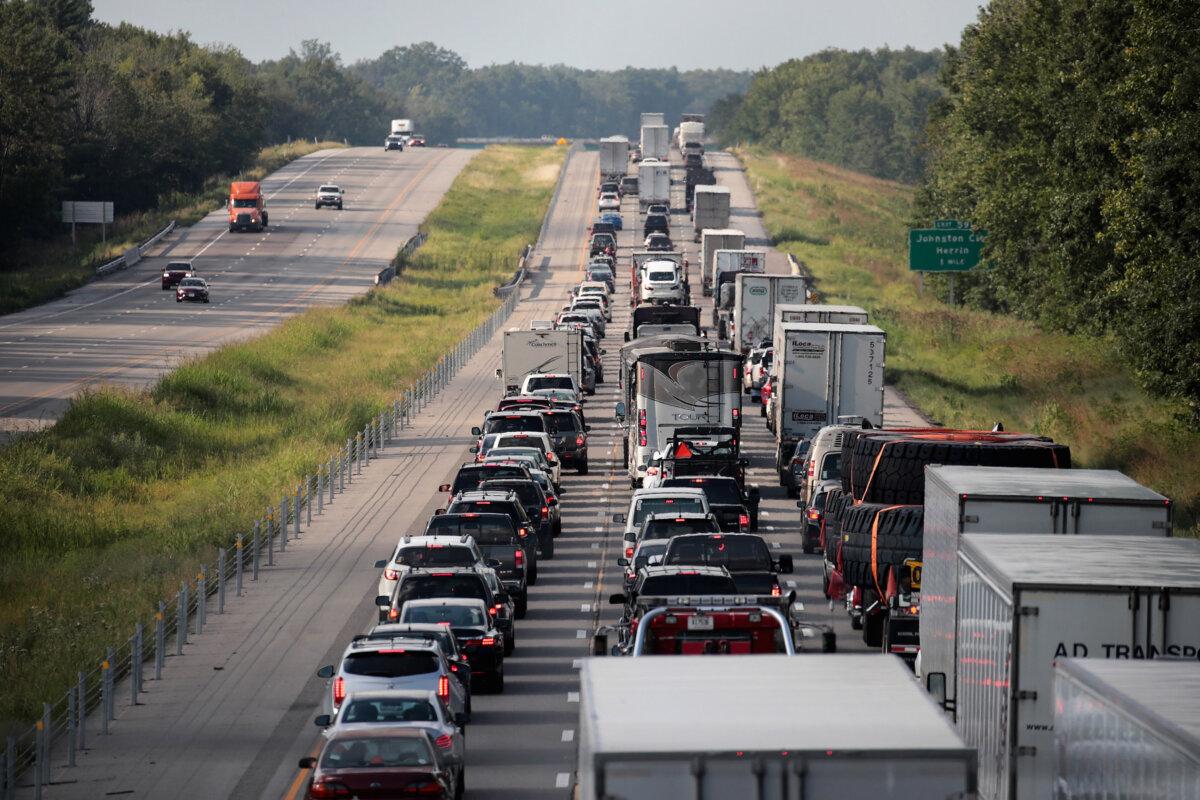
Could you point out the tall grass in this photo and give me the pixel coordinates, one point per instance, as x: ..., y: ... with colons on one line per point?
x: 104, y: 513
x: 37, y: 270
x: 964, y: 367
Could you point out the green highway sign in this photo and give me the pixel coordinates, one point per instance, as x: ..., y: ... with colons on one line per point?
x: 949, y: 246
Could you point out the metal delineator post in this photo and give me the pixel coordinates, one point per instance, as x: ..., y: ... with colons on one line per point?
x: 81, y: 693
x: 181, y: 624
x: 72, y: 723
x: 255, y: 549
x: 238, y: 553
x: 308, y: 498
x: 221, y: 581
x: 283, y: 523
x: 201, y: 598
x: 270, y: 537
x: 160, y: 641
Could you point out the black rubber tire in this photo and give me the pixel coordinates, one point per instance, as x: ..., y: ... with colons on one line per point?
x: 582, y: 469
x: 548, y: 550
x: 521, y: 606
x: 531, y: 577
x: 498, y: 681
x: 899, y: 537
x: 510, y: 644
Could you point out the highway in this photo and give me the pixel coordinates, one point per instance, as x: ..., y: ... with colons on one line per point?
x: 233, y: 715
x: 125, y: 330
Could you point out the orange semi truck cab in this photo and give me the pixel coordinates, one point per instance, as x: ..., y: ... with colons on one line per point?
x: 247, y: 206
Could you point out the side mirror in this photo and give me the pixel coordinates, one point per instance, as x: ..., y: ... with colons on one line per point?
x: 445, y: 487
x: 587, y: 428
x: 437, y: 512
x: 800, y: 504
x: 785, y: 564
x: 743, y: 462
x: 605, y: 352
x: 308, y: 762
x: 323, y: 721
x: 473, y: 449
x: 381, y: 563
x: 325, y: 671
x: 641, y: 467
x: 551, y: 501
x: 935, y: 682
x: 616, y: 599
x: 476, y: 431
x: 382, y: 601
x: 622, y: 562
x: 618, y: 519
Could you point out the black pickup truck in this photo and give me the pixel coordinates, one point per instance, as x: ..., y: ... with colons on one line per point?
x: 736, y: 510
x: 745, y: 555
x: 702, y: 450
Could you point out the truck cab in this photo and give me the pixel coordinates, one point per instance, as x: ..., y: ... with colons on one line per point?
x: 247, y: 206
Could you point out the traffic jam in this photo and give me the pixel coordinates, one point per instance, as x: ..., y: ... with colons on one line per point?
x: 952, y: 576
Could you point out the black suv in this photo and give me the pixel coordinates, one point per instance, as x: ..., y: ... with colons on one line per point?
x: 507, y: 502
x: 471, y: 475
x: 424, y: 584
x: 735, y: 510
x: 745, y: 555
x: 496, y: 537
x: 569, y: 435
x: 656, y: 223
x: 538, y: 504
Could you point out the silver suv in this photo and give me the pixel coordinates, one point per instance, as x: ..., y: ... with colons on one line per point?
x: 399, y: 663
x: 329, y: 195
x: 414, y: 552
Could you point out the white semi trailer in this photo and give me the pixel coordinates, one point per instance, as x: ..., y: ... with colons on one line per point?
x: 768, y: 727
x: 654, y: 183
x: 712, y: 240
x: 755, y: 298
x: 656, y: 142
x: 963, y: 501
x: 1026, y: 600
x: 803, y: 312
x: 710, y: 209
x: 527, y: 352
x: 614, y: 156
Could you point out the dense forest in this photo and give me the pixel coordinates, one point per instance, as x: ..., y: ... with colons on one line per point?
x: 95, y: 111
x: 865, y: 110
x: 1071, y: 132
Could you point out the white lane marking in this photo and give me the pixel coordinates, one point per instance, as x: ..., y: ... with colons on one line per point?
x: 770, y: 527
x: 585, y: 608
x: 568, y: 736
x: 576, y: 663
x: 581, y: 634
x: 599, y: 529
x: 591, y: 565
x: 572, y: 697
x: 562, y: 780
x: 764, y: 513
x: 776, y: 545
x: 595, y: 545
x: 604, y: 486
x: 588, y: 584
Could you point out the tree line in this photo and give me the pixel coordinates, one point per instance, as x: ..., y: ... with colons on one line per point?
x: 91, y: 111
x: 865, y: 110
x: 1071, y: 132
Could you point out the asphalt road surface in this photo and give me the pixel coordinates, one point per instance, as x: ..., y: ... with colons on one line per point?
x: 234, y: 714
x: 125, y: 329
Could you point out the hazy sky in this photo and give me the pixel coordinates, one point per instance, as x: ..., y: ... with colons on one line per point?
x: 601, y: 34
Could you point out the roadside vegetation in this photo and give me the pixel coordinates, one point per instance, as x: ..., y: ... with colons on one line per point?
x: 38, y: 270
x: 104, y: 513
x: 967, y: 367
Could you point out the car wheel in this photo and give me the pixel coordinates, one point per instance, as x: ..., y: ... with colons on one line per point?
x: 498, y: 681
x: 591, y: 392
x: 548, y: 549
x: 872, y: 630
x: 762, y: 411
x: 178, y: 299
x: 532, y: 578
x: 583, y: 467
x: 522, y: 606
x: 317, y: 206
x: 510, y: 644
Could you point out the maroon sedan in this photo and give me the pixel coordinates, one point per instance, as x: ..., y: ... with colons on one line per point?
x: 377, y: 761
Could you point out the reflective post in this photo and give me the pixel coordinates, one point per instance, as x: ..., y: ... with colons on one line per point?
x: 181, y: 624
x: 81, y: 692
x: 308, y: 496
x: 320, y: 490
x: 255, y: 550
x: 238, y: 551
x: 283, y: 523
x: 221, y: 581
x: 72, y: 722
x: 160, y: 641
x: 201, y: 599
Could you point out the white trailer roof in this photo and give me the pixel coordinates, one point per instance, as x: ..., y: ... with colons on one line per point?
x: 764, y: 703
x: 1162, y: 694
x: 624, y: 139
x: 829, y: 326
x: 821, y: 307
x: 1033, y: 560
x: 712, y: 188
x: 722, y: 232
x: 1102, y: 484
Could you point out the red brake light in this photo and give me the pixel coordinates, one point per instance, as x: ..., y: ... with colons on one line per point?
x: 579, y: 441
x: 444, y: 741
x: 776, y: 591
x: 391, y: 574
x: 629, y: 552
x: 443, y: 688
x: 811, y: 468
x: 393, y: 614
x: 522, y: 532
x: 325, y: 789
x: 520, y: 556
x: 744, y: 520
x: 736, y: 413
x: 814, y: 514
x: 339, y: 690
x: 488, y: 641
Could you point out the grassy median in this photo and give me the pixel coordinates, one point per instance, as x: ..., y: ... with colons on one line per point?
x: 965, y: 367
x: 38, y: 270
x: 104, y: 513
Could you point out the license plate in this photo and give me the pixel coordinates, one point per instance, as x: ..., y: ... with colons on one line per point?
x: 700, y: 623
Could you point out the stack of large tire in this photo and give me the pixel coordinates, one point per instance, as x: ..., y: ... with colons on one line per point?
x: 876, y: 539
x: 835, y: 505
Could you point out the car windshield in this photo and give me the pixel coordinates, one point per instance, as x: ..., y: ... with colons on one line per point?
x: 390, y: 663
x: 666, y: 505
x: 831, y: 467
x: 388, y: 709
x: 192, y: 282
x: 510, y: 424
x: 457, y: 616
x: 516, y: 452
x: 663, y: 276
x: 521, y: 441
x: 719, y: 491
x: 599, y: 272
x: 245, y: 203
x: 469, y: 478
x: 562, y: 422
x: 647, y: 552
x: 436, y: 555
x: 684, y: 583
x: 527, y: 491
x: 483, y: 528
x: 549, y: 382
x: 424, y: 587
x: 374, y: 753
x: 333, y: 189
x: 666, y: 528
x: 176, y: 266
x: 736, y: 553
x: 483, y: 507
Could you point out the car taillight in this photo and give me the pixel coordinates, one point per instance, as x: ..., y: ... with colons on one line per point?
x: 545, y: 512
x: 814, y: 514
x: 744, y: 520
x: 339, y: 690
x: 488, y: 641
x: 324, y: 789
x: 579, y: 440
x: 736, y: 413
x: 629, y: 552
x: 391, y: 574
x: 519, y: 556
x: 393, y: 614
x: 522, y: 532
x: 812, y: 467
x: 444, y: 741
x: 443, y: 688
x: 776, y: 591
x: 496, y: 608
x: 642, y: 427
x: 492, y: 610
x: 425, y: 787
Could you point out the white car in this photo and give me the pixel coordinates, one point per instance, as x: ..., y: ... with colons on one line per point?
x: 423, y: 551
x: 661, y: 283
x: 752, y: 369
x: 676, y: 499
x: 329, y: 195
x: 402, y: 663
x: 594, y: 288
x: 399, y: 708
x: 550, y: 380
x: 610, y: 201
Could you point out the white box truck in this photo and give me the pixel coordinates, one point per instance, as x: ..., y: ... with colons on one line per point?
x: 805, y: 312
x: 727, y: 265
x: 526, y: 352
x: 822, y: 371
x: 654, y: 183
x: 1127, y: 728
x: 653, y: 118
x: 1008, y: 500
x: 768, y: 727
x: 712, y: 240
x: 656, y: 142
x: 1026, y: 600
x: 402, y: 127
x: 614, y: 156
x: 711, y: 209
x: 755, y: 297
x: 691, y: 133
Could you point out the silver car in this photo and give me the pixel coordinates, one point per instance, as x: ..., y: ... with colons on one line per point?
x: 386, y: 664
x: 400, y: 708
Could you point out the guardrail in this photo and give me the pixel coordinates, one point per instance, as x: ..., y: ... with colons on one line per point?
x: 134, y: 254
x: 89, y: 707
x: 798, y: 267
x: 388, y: 273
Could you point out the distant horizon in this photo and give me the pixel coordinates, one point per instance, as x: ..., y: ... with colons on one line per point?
x: 546, y: 33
